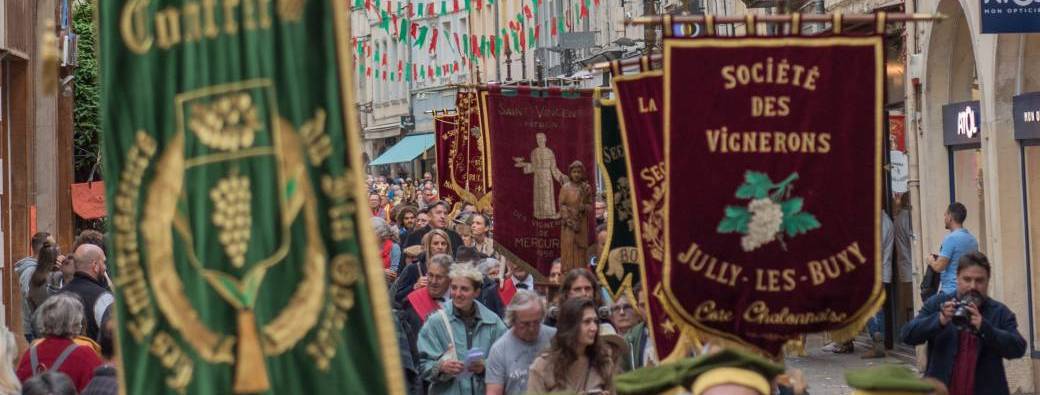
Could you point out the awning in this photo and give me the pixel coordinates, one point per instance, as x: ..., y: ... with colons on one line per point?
x: 405, y: 150
x: 88, y: 199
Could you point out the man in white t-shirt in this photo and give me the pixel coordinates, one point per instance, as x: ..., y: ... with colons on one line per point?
x: 512, y: 354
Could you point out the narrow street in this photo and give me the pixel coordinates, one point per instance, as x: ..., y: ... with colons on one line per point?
x: 825, y: 371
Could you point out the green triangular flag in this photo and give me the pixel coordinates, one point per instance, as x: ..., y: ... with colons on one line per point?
x: 465, y: 44
x: 530, y: 37
x: 468, y: 5
x: 421, y: 41
x: 408, y: 72
x: 422, y: 9
x: 516, y: 41
x: 498, y: 45
x: 437, y: 71
x: 359, y: 3
x: 444, y: 7
x: 385, y: 23
x: 404, y: 30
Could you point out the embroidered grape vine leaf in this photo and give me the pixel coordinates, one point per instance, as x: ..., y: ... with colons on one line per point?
x: 756, y: 185
x: 736, y: 220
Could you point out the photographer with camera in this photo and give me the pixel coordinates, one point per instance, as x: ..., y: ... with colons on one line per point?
x: 968, y: 333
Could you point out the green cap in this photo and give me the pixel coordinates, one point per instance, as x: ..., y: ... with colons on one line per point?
x: 887, y: 378
x: 728, y: 366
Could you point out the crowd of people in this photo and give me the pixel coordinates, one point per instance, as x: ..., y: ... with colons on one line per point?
x: 473, y: 322
x: 67, y: 323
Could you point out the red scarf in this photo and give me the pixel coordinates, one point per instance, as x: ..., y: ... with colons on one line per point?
x: 962, y: 379
x: 388, y: 248
x: 507, y: 291
x: 423, y: 303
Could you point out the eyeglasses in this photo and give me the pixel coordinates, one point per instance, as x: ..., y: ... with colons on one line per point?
x: 618, y: 308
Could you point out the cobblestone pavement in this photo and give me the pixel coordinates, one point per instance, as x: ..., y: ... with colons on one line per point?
x: 825, y: 371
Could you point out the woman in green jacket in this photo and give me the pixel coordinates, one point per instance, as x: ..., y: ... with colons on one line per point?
x: 454, y: 342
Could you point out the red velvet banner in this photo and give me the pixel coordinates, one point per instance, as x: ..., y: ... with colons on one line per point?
x: 535, y: 136
x: 640, y: 102
x: 773, y: 149
x: 461, y: 166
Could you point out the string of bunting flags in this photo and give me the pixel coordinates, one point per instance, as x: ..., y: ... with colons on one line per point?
x: 406, y: 21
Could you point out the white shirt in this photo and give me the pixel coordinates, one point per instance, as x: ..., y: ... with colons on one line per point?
x: 529, y: 282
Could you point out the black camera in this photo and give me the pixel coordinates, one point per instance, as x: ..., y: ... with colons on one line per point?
x: 961, y: 316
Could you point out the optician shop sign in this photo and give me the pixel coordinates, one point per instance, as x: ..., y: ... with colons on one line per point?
x: 1010, y: 16
x: 961, y: 123
x: 1027, y: 115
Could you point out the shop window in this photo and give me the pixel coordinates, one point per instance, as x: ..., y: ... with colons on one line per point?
x: 1031, y: 188
x: 967, y: 189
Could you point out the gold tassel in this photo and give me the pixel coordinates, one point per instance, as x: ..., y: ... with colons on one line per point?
x: 49, y: 57
x: 250, y: 369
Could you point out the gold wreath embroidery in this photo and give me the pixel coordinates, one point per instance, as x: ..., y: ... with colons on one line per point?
x: 231, y: 215
x: 624, y: 203
x: 653, y: 227
x: 229, y: 123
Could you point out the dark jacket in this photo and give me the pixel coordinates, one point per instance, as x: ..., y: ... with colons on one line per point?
x: 998, y: 339
x: 489, y: 297
x: 96, y: 299
x: 406, y: 280
x: 416, y: 236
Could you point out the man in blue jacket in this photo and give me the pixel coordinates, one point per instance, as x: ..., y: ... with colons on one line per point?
x: 967, y: 355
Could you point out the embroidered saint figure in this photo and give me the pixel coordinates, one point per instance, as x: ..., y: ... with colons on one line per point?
x: 543, y: 166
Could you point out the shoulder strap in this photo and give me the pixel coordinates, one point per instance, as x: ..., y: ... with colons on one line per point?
x: 447, y: 325
x: 63, y: 356
x: 34, y: 361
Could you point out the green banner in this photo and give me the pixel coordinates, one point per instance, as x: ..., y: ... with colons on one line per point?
x: 618, y: 264
x: 240, y: 261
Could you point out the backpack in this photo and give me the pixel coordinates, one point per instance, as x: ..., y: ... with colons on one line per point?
x: 929, y: 284
x: 38, y: 368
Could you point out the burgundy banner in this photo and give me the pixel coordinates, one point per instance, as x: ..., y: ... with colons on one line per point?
x: 461, y: 169
x: 535, y: 136
x: 640, y: 102
x: 773, y: 149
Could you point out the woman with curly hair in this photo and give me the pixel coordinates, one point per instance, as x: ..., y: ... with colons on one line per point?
x: 577, y: 360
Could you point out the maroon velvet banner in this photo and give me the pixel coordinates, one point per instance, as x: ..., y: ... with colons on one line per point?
x: 773, y: 149
x: 461, y: 169
x: 535, y: 136
x: 640, y: 102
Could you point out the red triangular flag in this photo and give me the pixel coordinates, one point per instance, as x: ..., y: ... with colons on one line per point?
x: 553, y: 27
x: 493, y: 53
x: 458, y: 47
x: 433, y: 43
x: 455, y: 5
x: 429, y: 10
x: 527, y: 11
x: 429, y: 72
x: 584, y: 11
